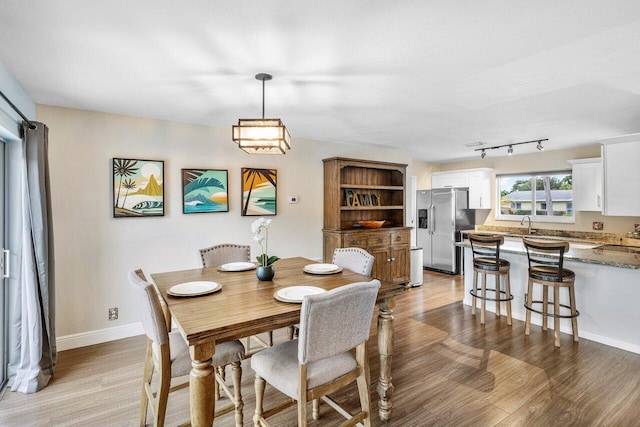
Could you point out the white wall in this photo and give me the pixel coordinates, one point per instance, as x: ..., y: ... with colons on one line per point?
x: 95, y: 251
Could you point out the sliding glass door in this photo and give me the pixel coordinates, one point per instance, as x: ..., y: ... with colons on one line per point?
x: 5, y: 271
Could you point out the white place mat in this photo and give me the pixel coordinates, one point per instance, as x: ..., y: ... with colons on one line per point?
x: 237, y: 266
x: 322, y: 268
x: 192, y: 289
x: 296, y: 294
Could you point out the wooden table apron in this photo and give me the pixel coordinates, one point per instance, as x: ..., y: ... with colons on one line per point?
x: 246, y: 306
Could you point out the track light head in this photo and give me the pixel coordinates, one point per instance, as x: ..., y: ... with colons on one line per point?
x: 539, y: 146
x: 510, y: 150
x: 483, y: 155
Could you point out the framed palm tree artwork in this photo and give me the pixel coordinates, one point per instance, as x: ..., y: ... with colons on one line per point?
x: 205, y: 190
x: 138, y: 188
x: 259, y: 192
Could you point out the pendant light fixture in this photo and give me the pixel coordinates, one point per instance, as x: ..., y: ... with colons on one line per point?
x: 262, y: 136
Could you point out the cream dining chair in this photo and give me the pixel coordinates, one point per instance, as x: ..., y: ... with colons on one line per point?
x: 224, y: 253
x: 320, y: 361
x: 168, y: 354
x: 354, y: 259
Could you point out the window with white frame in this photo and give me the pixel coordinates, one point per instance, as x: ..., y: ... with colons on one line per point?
x: 544, y: 196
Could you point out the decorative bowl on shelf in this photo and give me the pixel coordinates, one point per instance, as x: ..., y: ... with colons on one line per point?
x: 371, y: 223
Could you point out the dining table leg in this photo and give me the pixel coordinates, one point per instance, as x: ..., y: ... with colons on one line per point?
x: 385, y: 348
x: 201, y: 384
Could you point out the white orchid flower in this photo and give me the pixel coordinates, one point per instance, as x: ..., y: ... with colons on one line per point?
x: 259, y: 226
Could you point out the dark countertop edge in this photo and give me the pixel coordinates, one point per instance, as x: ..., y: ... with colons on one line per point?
x: 572, y: 258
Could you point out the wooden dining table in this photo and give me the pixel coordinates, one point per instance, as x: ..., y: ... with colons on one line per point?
x: 246, y: 306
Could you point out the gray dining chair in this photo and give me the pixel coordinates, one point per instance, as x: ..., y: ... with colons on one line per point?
x: 321, y: 361
x: 224, y: 253
x: 355, y: 259
x: 168, y: 354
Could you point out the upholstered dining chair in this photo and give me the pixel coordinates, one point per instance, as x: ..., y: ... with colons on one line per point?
x: 320, y: 361
x: 225, y: 253
x: 168, y: 354
x: 355, y: 259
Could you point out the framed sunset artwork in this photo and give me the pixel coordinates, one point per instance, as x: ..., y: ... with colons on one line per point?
x: 138, y: 188
x: 205, y: 190
x: 259, y: 192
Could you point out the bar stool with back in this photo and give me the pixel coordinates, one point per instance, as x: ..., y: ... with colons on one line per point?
x: 486, y: 260
x: 546, y: 268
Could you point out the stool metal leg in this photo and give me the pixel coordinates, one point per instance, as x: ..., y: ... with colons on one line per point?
x: 484, y: 297
x: 497, y: 293
x: 545, y: 306
x: 556, y: 319
x: 473, y: 298
x: 507, y: 289
x: 574, y: 320
x: 529, y: 298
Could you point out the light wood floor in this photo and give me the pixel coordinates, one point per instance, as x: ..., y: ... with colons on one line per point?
x: 447, y: 370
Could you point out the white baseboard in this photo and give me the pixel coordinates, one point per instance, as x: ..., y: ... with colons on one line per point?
x: 536, y: 320
x: 83, y: 339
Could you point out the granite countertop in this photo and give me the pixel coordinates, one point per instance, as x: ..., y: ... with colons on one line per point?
x: 591, y: 252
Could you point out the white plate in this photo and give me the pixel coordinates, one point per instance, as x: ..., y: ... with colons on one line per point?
x: 322, y: 268
x: 237, y: 266
x: 192, y: 289
x: 296, y: 294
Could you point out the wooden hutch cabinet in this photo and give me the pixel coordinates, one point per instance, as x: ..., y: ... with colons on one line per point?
x: 359, y: 190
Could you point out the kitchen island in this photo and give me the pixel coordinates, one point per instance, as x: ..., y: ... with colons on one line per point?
x: 607, y: 290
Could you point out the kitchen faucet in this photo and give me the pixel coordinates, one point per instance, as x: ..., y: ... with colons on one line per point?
x: 522, y: 223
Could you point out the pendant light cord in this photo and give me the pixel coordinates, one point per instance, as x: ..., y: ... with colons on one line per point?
x: 263, y: 99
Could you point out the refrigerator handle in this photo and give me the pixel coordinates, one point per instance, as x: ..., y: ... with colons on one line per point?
x: 432, y: 225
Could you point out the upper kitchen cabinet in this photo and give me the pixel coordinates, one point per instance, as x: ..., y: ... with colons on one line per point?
x: 621, y: 175
x: 478, y: 181
x: 587, y: 184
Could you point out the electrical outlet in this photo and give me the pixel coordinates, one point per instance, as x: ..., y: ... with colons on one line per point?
x: 293, y: 199
x: 113, y: 313
x: 597, y: 225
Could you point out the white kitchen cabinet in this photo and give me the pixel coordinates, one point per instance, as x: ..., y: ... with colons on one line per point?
x: 621, y: 178
x: 480, y: 189
x: 449, y: 180
x: 478, y: 181
x: 587, y: 184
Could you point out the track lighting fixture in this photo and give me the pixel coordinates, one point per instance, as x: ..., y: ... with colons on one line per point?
x: 483, y: 151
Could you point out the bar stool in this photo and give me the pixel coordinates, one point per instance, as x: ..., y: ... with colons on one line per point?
x: 486, y: 260
x: 548, y: 271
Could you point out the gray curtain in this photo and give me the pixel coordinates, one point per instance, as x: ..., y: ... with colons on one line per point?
x: 32, y: 342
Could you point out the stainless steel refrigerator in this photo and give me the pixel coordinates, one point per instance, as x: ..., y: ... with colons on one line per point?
x: 442, y: 213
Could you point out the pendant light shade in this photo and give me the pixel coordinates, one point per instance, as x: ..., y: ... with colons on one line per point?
x: 262, y: 136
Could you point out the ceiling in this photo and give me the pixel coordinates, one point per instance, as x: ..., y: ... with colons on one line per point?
x: 426, y: 76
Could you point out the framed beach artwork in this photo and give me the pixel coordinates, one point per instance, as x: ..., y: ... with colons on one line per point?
x: 259, y: 192
x: 138, y: 188
x: 205, y: 190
